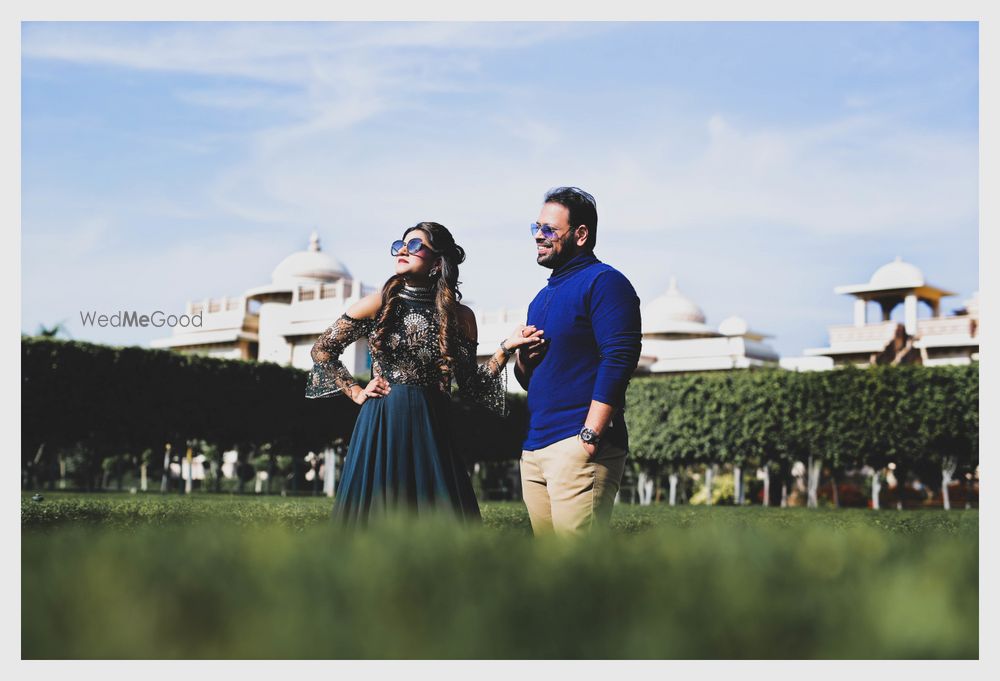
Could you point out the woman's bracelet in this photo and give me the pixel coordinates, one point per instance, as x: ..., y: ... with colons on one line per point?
x: 500, y: 363
x: 507, y: 352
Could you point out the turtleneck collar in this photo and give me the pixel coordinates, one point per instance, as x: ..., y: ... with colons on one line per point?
x: 424, y: 294
x: 577, y: 262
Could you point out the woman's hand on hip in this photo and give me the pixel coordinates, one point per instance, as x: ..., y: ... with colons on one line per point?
x: 377, y: 387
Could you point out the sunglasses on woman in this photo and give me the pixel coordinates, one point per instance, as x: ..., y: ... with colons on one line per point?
x: 413, y: 247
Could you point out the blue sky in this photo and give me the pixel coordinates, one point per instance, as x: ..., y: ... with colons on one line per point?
x: 761, y: 164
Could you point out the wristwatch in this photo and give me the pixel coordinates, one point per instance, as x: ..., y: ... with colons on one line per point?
x: 589, y: 436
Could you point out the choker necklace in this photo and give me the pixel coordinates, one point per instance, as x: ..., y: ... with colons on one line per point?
x: 421, y: 293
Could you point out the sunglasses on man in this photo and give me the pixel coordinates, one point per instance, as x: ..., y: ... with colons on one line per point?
x: 548, y: 231
x: 413, y: 247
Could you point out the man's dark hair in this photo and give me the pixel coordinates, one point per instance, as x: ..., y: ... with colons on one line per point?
x: 582, y: 209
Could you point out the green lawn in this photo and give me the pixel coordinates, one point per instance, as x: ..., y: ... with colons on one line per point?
x: 131, y: 576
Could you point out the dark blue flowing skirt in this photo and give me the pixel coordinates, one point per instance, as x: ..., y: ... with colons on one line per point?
x: 402, y: 455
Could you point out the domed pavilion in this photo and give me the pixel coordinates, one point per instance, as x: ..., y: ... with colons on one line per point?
x: 878, y: 339
x: 279, y: 321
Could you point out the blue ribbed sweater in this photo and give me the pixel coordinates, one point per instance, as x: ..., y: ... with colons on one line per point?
x: 590, y: 315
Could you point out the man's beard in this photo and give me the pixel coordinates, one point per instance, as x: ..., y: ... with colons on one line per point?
x: 545, y: 260
x: 553, y: 258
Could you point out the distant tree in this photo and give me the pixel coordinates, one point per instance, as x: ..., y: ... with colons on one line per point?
x: 53, y: 331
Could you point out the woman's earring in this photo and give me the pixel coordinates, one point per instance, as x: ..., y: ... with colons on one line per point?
x: 435, y: 272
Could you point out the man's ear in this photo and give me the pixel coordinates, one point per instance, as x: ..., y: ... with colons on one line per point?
x: 582, y: 234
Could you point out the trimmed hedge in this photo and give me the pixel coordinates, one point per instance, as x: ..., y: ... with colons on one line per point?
x: 111, y: 402
x: 116, y: 400
x: 914, y: 416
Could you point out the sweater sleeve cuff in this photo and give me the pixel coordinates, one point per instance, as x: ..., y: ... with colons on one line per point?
x: 615, y: 400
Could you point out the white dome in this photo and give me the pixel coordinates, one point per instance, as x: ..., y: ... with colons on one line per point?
x: 673, y: 312
x: 674, y: 306
x: 734, y: 326
x: 311, y: 265
x: 897, y: 274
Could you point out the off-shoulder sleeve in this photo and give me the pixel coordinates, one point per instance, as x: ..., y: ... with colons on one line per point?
x: 329, y: 375
x: 485, y: 384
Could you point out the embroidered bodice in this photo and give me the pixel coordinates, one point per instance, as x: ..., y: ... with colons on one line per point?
x: 409, y: 354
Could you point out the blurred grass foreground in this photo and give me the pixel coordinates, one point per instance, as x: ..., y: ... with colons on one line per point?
x: 218, y: 578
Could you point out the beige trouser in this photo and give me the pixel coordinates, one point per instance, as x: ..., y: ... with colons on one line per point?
x: 567, y: 491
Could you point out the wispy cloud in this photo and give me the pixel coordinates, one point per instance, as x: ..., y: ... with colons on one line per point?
x: 289, y: 53
x: 359, y: 129
x: 847, y: 178
x: 844, y: 175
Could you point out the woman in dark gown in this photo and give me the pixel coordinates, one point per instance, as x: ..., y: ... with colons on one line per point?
x: 402, y: 452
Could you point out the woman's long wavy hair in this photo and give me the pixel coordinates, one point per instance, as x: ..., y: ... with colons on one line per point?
x: 446, y: 299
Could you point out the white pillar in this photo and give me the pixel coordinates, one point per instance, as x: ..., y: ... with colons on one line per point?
x: 860, y: 312
x: 165, y: 480
x: 330, y: 472
x: 910, y: 314
x: 189, y: 460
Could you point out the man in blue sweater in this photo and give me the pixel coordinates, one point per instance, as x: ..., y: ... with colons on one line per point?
x: 574, y: 453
